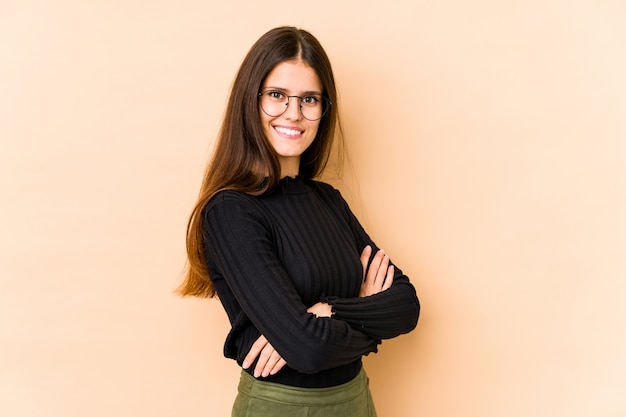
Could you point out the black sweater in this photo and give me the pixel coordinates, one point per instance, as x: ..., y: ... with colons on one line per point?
x: 273, y: 256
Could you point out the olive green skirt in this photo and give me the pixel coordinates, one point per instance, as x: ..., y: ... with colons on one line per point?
x: 266, y: 399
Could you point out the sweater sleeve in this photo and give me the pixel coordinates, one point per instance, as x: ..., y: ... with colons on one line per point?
x: 387, y: 314
x: 238, y: 241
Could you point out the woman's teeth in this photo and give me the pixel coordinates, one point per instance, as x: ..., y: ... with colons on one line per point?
x: 286, y: 131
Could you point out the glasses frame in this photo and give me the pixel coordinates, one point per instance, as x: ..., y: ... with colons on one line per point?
x: 326, y: 103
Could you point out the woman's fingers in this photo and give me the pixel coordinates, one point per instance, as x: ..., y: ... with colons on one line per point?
x: 279, y: 365
x: 374, y: 266
x: 266, y: 362
x: 379, y: 275
x: 365, y: 258
x: 255, y: 350
x: 388, y: 278
x: 381, y: 271
x: 378, y: 270
x: 269, y: 360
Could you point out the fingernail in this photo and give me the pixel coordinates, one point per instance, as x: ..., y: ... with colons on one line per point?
x: 245, y: 365
x: 368, y: 248
x: 256, y: 374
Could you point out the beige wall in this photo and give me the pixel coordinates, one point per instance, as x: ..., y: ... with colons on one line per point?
x: 488, y: 139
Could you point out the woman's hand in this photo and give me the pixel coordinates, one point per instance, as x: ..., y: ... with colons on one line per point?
x: 269, y: 363
x: 379, y: 276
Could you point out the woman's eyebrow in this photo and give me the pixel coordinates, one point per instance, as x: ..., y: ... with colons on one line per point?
x: 284, y: 90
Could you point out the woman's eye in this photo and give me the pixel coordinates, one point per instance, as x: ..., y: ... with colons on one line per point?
x: 276, y: 95
x: 310, y: 100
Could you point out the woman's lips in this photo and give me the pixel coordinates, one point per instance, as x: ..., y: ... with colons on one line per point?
x: 290, y: 132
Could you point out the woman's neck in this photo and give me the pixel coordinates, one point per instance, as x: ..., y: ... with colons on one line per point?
x: 290, y: 168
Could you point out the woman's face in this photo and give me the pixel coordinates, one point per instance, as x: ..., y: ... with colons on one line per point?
x: 289, y: 133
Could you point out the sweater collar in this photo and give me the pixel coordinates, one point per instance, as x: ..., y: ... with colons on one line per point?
x: 291, y: 185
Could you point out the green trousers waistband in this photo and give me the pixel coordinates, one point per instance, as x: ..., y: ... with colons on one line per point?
x: 279, y: 393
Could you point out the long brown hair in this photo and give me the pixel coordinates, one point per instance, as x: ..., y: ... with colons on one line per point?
x: 243, y: 159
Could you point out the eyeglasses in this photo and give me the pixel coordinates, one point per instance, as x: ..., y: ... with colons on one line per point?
x: 313, y: 107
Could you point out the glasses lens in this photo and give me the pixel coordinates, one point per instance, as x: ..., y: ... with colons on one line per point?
x: 275, y: 103
x: 312, y: 107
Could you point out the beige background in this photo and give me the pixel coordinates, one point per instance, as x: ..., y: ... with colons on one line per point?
x: 488, y: 140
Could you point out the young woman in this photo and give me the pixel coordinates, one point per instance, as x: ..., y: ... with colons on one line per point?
x: 306, y: 290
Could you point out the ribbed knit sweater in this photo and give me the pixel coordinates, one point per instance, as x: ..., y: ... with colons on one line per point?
x: 273, y: 256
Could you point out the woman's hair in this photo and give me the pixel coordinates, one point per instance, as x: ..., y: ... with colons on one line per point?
x: 243, y: 159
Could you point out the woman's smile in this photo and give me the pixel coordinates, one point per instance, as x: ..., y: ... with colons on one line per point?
x: 289, y: 132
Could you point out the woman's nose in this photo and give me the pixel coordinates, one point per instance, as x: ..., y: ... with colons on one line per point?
x: 293, y: 109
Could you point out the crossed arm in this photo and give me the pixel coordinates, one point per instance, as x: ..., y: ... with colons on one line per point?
x: 377, y: 277
x: 238, y: 227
